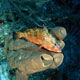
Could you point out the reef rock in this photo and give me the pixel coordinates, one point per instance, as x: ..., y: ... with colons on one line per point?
x: 26, y: 59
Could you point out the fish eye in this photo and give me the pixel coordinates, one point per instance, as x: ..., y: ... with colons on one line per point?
x: 55, y: 44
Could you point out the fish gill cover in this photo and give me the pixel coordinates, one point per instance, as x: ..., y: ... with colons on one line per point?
x: 18, y: 15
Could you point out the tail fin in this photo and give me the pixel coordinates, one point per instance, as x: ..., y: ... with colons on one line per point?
x: 16, y: 35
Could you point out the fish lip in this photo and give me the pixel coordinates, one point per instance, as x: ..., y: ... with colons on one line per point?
x: 59, y: 51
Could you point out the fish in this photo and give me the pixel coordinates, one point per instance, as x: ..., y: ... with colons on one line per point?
x: 40, y: 37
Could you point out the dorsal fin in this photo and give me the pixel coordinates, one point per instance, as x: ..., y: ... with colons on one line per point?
x: 45, y: 28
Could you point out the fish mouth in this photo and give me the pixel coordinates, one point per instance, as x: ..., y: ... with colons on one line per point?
x: 57, y: 51
x: 53, y: 48
x: 57, y: 48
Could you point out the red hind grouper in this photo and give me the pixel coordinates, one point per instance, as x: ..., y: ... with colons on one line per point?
x: 41, y: 37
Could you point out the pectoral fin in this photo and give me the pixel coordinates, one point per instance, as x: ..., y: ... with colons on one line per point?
x: 39, y: 48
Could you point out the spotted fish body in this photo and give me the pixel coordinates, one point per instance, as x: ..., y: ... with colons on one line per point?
x: 40, y: 37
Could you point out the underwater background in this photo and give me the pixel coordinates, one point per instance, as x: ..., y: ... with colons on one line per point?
x: 18, y: 15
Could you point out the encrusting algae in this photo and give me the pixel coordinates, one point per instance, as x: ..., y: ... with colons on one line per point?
x: 41, y: 37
